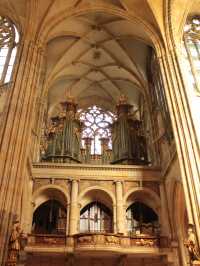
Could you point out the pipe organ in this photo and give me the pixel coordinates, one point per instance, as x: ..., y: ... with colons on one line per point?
x: 128, y: 140
x: 64, y: 135
x: 66, y: 143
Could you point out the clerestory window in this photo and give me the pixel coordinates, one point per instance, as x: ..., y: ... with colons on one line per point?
x: 9, y: 39
x: 191, y: 51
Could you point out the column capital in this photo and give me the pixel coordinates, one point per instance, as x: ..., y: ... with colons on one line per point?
x: 118, y: 181
x: 73, y: 180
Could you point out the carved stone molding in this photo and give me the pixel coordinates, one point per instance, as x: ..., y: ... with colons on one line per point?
x: 112, y: 173
x: 90, y: 241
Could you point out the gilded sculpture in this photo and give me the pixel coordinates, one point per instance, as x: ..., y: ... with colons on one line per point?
x: 192, y: 246
x: 14, y: 245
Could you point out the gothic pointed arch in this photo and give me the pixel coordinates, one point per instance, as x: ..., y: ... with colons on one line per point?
x: 9, y: 41
x: 191, y: 50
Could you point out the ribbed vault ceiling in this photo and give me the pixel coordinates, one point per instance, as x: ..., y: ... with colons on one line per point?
x: 98, y: 59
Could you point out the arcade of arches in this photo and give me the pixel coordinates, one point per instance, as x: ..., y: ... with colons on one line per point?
x: 99, y: 150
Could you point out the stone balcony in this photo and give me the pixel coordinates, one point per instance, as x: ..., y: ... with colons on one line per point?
x: 87, y: 171
x: 95, y: 242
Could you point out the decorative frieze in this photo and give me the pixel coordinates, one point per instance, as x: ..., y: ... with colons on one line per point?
x: 90, y: 241
x: 42, y: 170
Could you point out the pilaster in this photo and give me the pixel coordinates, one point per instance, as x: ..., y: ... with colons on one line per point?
x: 15, y: 136
x: 184, y: 132
x: 120, y: 217
x: 164, y: 215
x: 74, y: 210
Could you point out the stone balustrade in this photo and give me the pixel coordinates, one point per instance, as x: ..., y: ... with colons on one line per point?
x: 91, y: 241
x: 115, y: 240
x: 46, y: 240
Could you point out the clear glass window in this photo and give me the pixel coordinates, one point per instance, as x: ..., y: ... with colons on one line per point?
x: 9, y: 39
x: 191, y: 52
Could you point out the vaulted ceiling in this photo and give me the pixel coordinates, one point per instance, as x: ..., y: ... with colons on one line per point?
x: 97, y: 60
x: 97, y: 49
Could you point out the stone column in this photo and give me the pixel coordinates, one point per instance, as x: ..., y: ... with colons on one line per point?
x: 164, y: 215
x: 38, y: 128
x: 68, y: 206
x: 186, y: 138
x: 114, y: 220
x: 74, y: 210
x: 120, y: 217
x: 27, y: 207
x: 15, y: 134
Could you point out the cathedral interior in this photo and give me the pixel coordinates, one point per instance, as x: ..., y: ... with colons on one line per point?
x: 99, y: 136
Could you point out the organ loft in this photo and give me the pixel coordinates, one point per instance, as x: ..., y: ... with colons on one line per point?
x: 71, y: 139
x: 99, y: 136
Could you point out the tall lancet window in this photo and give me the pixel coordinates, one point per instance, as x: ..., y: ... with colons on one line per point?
x: 192, y: 51
x: 9, y: 39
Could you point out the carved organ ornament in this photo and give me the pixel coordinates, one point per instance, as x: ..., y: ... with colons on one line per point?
x: 63, y: 135
x: 95, y: 136
x: 142, y: 220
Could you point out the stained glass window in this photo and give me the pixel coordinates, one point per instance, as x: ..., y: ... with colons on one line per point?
x: 191, y: 51
x: 95, y: 217
x: 96, y: 126
x: 9, y: 39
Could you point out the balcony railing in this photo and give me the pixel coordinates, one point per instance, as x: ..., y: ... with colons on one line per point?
x: 144, y: 229
x: 103, y: 241
x: 46, y: 240
x: 115, y: 240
